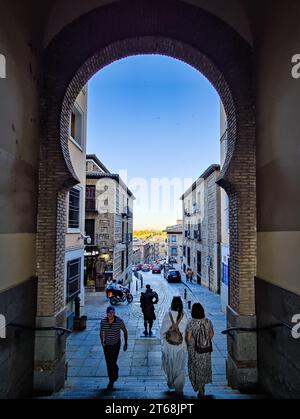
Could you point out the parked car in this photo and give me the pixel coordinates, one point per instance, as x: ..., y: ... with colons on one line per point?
x: 145, y: 268
x: 156, y: 269
x: 173, y: 276
x: 166, y: 269
x: 172, y: 260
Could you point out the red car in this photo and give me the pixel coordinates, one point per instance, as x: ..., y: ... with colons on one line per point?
x: 156, y: 270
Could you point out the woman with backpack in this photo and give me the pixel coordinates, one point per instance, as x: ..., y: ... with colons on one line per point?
x: 199, y: 339
x: 174, y: 349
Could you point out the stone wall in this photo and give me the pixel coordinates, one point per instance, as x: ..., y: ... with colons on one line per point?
x: 17, y: 350
x: 278, y: 351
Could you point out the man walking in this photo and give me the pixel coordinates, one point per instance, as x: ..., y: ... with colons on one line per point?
x: 110, y: 336
x: 148, y: 299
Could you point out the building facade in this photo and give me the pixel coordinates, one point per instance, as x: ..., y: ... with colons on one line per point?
x: 237, y: 48
x: 158, y: 248
x: 202, y: 229
x: 225, y: 238
x: 74, y: 248
x: 109, y: 223
x: 175, y: 242
x: 142, y: 251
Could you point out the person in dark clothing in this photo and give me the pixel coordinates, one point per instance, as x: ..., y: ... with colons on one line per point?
x: 148, y: 299
x: 110, y: 336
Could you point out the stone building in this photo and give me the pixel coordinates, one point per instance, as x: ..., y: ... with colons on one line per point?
x: 175, y: 241
x: 48, y: 62
x: 202, y: 229
x: 158, y: 247
x: 142, y: 251
x: 74, y: 248
x: 109, y: 222
x: 136, y: 256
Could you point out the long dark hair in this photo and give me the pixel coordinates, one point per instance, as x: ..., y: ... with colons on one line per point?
x: 177, y: 305
x: 198, y: 311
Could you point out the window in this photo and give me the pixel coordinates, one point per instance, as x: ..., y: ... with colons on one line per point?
x: 199, y: 267
x: 76, y: 126
x: 74, y: 208
x: 184, y: 251
x: 106, y: 202
x: 123, y: 261
x: 90, y: 198
x: 174, y: 251
x: 73, y: 278
x: 199, y: 232
x: 189, y: 256
x: 199, y: 263
x: 174, y: 239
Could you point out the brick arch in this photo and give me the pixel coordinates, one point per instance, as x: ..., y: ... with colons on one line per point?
x: 117, y: 31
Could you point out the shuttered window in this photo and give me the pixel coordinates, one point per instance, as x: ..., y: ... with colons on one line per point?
x: 74, y: 208
x: 73, y: 278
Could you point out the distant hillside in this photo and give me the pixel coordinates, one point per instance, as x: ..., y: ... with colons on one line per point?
x: 146, y: 234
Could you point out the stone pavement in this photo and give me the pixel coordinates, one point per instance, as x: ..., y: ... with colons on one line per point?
x: 141, y: 375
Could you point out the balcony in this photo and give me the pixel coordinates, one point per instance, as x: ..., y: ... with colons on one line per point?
x: 90, y: 205
x: 197, y: 235
x: 127, y: 239
x: 127, y: 212
x: 187, y: 234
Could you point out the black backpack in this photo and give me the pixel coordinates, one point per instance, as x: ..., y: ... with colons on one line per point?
x: 203, y: 343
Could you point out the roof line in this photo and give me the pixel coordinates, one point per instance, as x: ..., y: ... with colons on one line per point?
x: 209, y: 171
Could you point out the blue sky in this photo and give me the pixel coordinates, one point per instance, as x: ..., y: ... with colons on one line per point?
x: 154, y: 117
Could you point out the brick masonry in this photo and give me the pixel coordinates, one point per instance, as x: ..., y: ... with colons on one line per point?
x: 128, y: 28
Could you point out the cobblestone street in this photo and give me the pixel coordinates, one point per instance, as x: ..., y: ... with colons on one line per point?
x: 141, y: 375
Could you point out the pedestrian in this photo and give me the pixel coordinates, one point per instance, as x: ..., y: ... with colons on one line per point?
x: 110, y: 336
x: 117, y: 288
x: 187, y: 275
x: 108, y: 286
x: 199, y: 338
x: 174, y: 349
x: 148, y: 300
x: 190, y: 275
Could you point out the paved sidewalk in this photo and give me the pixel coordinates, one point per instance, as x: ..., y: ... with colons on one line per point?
x: 141, y: 374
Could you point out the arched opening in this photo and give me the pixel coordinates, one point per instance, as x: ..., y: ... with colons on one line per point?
x: 210, y: 46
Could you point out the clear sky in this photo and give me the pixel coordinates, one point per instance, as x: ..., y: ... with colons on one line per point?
x: 154, y: 119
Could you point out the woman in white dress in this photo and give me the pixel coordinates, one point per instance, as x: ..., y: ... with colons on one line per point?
x: 174, y: 356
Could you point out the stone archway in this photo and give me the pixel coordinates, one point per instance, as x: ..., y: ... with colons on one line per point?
x: 84, y: 47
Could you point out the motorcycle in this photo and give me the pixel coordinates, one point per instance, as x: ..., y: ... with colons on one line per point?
x: 119, y: 296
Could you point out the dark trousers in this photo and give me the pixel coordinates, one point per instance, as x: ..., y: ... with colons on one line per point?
x: 148, y: 322
x: 111, y: 353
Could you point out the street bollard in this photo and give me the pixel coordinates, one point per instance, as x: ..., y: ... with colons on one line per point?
x: 185, y: 294
x: 142, y: 282
x: 189, y: 305
x: 137, y: 286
